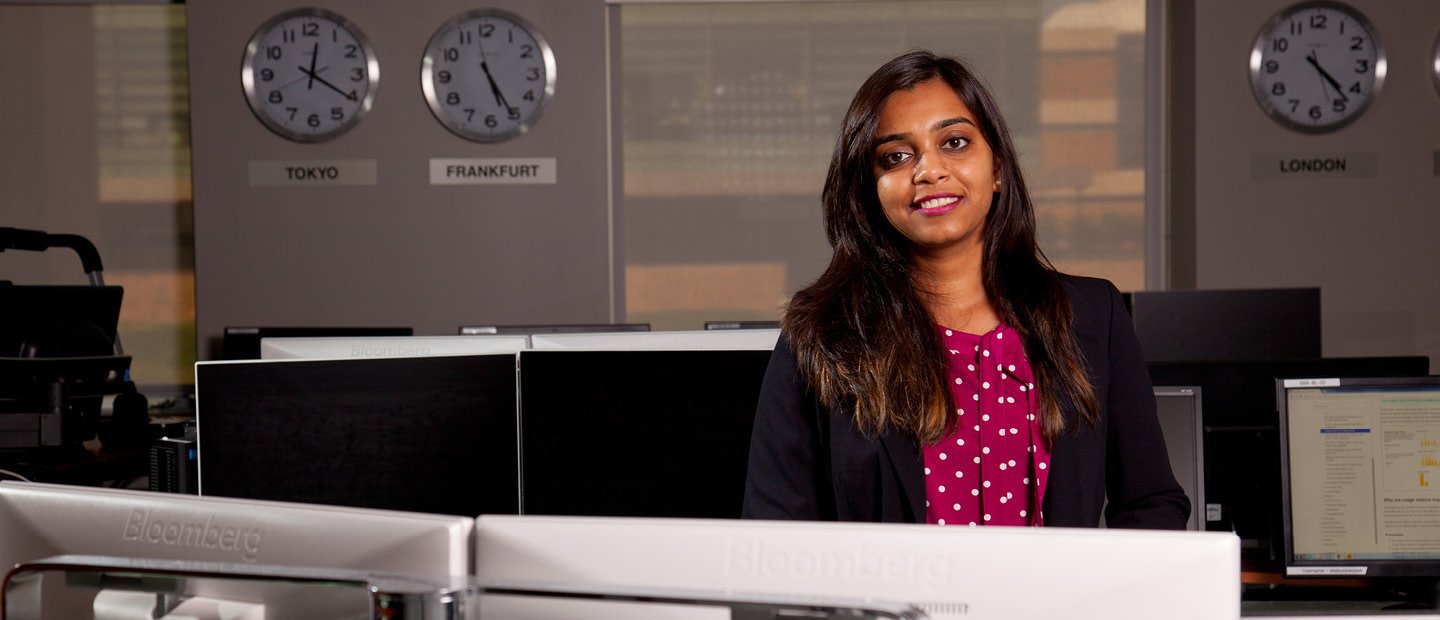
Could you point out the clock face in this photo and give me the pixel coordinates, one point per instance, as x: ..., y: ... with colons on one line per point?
x: 487, y: 75
x: 309, y: 75
x: 1316, y: 66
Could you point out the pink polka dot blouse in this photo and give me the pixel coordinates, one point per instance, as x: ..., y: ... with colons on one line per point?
x: 991, y: 468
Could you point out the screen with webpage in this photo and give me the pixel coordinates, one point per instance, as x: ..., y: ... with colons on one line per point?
x: 1364, y: 469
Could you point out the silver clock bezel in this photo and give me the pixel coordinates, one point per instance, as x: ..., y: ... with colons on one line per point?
x: 427, y: 77
x: 1435, y: 64
x: 1284, y: 15
x: 252, y: 97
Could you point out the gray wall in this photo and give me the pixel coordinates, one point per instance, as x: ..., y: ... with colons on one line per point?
x: 401, y: 252
x: 1368, y: 243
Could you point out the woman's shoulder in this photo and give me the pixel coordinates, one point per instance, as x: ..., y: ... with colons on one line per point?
x: 1087, y: 286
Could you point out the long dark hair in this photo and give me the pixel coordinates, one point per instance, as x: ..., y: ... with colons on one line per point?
x: 860, y: 333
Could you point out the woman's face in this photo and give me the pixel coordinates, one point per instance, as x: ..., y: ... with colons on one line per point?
x: 934, y: 172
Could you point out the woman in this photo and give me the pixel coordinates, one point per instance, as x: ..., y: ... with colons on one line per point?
x: 941, y: 370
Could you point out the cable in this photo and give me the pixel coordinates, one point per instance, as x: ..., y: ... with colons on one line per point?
x: 14, y: 475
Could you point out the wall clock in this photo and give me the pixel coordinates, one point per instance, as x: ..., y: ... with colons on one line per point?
x: 487, y: 75
x: 309, y: 74
x: 1316, y: 66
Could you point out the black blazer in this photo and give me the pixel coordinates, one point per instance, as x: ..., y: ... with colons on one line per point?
x: 809, y: 462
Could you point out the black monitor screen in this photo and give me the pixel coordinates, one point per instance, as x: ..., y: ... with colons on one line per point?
x: 1241, y: 439
x: 1361, y: 476
x: 58, y: 321
x: 637, y: 433
x: 1178, y: 408
x: 425, y: 434
x: 1182, y: 326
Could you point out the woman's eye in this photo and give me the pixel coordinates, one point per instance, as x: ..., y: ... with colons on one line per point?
x: 958, y: 142
x: 890, y: 160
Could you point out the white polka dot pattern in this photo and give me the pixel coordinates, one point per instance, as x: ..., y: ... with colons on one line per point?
x: 995, y: 459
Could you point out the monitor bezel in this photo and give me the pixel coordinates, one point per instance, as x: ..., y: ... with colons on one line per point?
x: 1337, y: 568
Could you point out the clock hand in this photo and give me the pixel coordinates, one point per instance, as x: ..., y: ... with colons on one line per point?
x: 316, y: 76
x: 494, y: 88
x: 314, y: 54
x: 302, y: 77
x: 1326, y: 74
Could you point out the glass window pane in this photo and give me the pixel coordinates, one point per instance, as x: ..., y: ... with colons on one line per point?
x: 729, y: 112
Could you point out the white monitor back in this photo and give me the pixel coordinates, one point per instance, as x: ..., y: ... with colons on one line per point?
x: 388, y: 346
x: 728, y: 340
x: 951, y: 573
x: 43, y: 520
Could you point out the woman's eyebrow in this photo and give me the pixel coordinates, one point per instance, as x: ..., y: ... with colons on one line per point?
x: 894, y: 137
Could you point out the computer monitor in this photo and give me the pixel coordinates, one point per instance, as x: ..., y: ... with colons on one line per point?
x: 952, y: 573
x: 1360, y: 467
x: 637, y: 433
x: 1182, y: 423
x: 1241, y: 437
x: 423, y: 434
x: 741, y: 339
x: 58, y: 321
x: 742, y: 324
x: 1234, y: 325
x: 388, y: 346
x: 42, y: 520
x: 573, y: 328
x: 243, y: 343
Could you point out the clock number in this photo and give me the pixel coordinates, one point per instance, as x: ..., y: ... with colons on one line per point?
x: 465, y: 38
x: 510, y: 35
x: 1297, y: 28
x: 529, y: 95
x: 514, y: 114
x: 443, y: 77
x: 1356, y: 43
x: 469, y: 114
x: 1315, y: 112
x: 1278, y: 89
x: 491, y: 121
x: 292, y: 112
x: 352, y: 51
x: 276, y: 97
x: 311, y: 29
x: 337, y: 114
x: 352, y: 95
x: 267, y: 74
x: 287, y: 35
x: 452, y: 98
x: 1281, y: 44
x: 1339, y: 106
x: 335, y: 35
x: 532, y: 74
x: 1355, y: 88
x: 1294, y: 105
x: 274, y: 52
x: 1317, y: 21
x: 357, y: 74
x: 1271, y: 66
x: 486, y: 30
x: 452, y: 54
x: 313, y: 120
x: 1362, y: 65
x: 529, y: 51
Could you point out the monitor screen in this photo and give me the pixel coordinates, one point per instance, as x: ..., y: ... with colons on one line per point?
x: 243, y: 343
x: 733, y: 339
x: 424, y: 434
x: 1361, y: 476
x: 951, y: 573
x: 1183, y: 326
x: 58, y: 321
x: 388, y: 346
x: 1178, y: 408
x: 637, y: 433
x: 1241, y: 437
x: 43, y: 520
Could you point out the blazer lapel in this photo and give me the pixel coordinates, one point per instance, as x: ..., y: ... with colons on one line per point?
x: 905, y: 458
